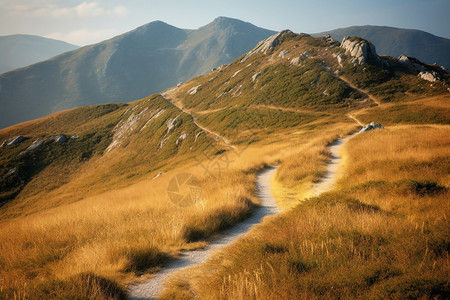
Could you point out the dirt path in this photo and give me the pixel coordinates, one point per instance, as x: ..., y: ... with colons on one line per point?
x: 215, y: 134
x: 374, y: 99
x: 327, y: 182
x: 153, y: 287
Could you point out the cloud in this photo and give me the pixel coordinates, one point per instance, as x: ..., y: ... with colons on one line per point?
x: 55, y: 10
x: 84, y: 37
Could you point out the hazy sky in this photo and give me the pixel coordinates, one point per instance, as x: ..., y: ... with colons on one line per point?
x: 89, y: 21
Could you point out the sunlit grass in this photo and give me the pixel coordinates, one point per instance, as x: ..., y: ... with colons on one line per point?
x: 382, y: 233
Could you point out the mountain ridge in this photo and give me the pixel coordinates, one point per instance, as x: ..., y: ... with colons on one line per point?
x: 21, y: 50
x: 130, y: 66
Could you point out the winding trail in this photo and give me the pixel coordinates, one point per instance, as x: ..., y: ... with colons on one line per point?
x: 371, y: 97
x: 327, y: 182
x: 155, y: 285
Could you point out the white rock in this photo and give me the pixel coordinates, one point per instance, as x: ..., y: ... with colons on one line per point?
x: 295, y: 61
x: 266, y: 45
x: 181, y: 138
x: 171, y: 123
x: 61, y: 138
x: 235, y: 73
x: 194, y: 90
x: 283, y: 53
x: 371, y: 126
x: 255, y: 76
x: 360, y: 49
x: 12, y: 141
x: 35, y: 145
x: 429, y: 76
x: 157, y: 175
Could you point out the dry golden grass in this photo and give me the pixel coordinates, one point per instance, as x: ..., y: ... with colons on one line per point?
x: 382, y: 234
x: 98, y: 245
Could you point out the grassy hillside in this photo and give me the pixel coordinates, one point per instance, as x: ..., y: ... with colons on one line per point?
x: 88, y: 216
x: 382, y: 233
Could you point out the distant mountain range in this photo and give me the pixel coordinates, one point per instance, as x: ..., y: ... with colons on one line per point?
x: 157, y: 56
x: 21, y: 50
x: 148, y: 59
x: 397, y: 41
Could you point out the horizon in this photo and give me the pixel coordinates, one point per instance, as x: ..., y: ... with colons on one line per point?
x: 86, y: 22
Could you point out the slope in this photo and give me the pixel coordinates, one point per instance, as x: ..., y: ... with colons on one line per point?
x: 20, y: 50
x: 113, y: 220
x: 148, y: 59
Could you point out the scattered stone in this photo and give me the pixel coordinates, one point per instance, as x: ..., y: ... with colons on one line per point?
x: 171, y: 123
x: 360, y: 49
x: 35, y: 145
x: 194, y: 90
x: 61, y: 138
x: 11, y: 171
x: 255, y: 76
x: 160, y: 112
x: 305, y: 54
x: 74, y: 137
x: 283, y: 53
x: 327, y: 38
x: 181, y: 138
x: 235, y: 73
x: 326, y: 93
x: 12, y: 141
x: 266, y: 45
x: 157, y: 175
x: 429, y: 76
x: 295, y: 61
x: 371, y: 126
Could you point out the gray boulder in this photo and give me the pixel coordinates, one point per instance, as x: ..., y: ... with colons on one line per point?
x: 12, y: 141
x: 61, y: 138
x: 371, y: 126
x: 254, y: 77
x: 429, y: 76
x: 266, y: 45
x: 361, y: 50
x: 35, y: 145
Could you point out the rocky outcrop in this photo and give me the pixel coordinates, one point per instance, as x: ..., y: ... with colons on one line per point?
x: 160, y: 112
x: 371, y: 126
x: 35, y: 145
x: 157, y: 175
x: 171, y: 123
x: 426, y: 72
x: 61, y: 138
x: 361, y: 50
x: 255, y: 76
x: 194, y: 90
x: 429, y: 76
x: 266, y: 45
x: 283, y: 53
x: 181, y: 138
x: 12, y: 141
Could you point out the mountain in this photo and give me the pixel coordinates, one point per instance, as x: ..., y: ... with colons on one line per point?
x: 94, y: 197
x: 396, y: 41
x: 287, y: 80
x: 146, y: 60
x: 20, y: 50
